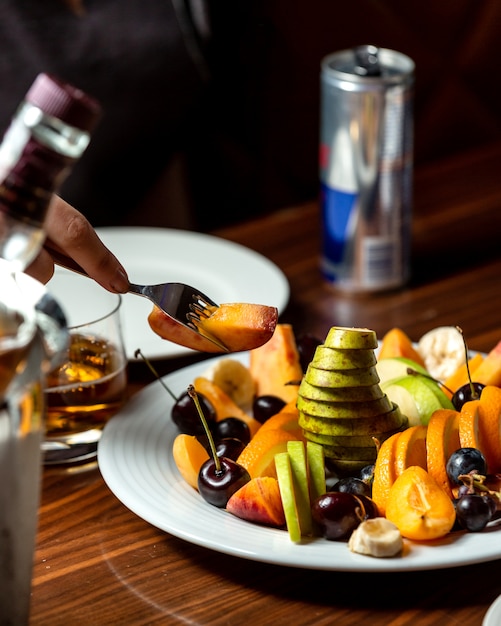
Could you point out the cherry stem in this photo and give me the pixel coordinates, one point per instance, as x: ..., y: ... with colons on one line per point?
x: 194, y: 396
x: 473, y: 393
x: 413, y: 372
x: 154, y: 372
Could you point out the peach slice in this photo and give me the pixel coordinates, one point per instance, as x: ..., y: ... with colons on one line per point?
x: 189, y: 456
x: 397, y: 343
x: 238, y: 326
x: 419, y: 507
x: 258, y: 501
x: 277, y: 363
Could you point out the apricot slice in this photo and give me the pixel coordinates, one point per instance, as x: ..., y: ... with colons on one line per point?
x: 419, y: 507
x: 258, y: 501
x: 460, y: 377
x: 223, y: 404
x: 189, y: 456
x: 240, y: 325
x: 442, y: 439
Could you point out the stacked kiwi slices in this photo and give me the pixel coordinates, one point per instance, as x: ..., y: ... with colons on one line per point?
x: 340, y: 403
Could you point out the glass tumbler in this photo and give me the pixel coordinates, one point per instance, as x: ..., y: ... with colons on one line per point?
x: 90, y: 386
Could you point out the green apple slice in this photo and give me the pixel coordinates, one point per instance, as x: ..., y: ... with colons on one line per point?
x: 338, y: 359
x: 444, y: 400
x: 315, y: 457
x: 414, y: 397
x: 393, y: 367
x: 351, y: 338
x: 297, y: 458
x: 286, y: 484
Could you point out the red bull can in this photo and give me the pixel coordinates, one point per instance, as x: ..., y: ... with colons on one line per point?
x: 366, y: 168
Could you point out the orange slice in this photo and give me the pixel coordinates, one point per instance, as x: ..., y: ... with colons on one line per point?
x: 442, y: 439
x: 384, y: 472
x: 286, y: 420
x: 410, y: 448
x: 490, y: 427
x: 258, y: 456
x: 469, y: 425
x: 419, y: 507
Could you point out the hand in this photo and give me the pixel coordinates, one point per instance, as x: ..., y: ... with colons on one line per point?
x: 69, y: 232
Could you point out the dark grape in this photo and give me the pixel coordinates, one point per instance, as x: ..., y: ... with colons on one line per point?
x: 185, y: 415
x: 231, y: 427
x: 230, y: 447
x: 306, y: 346
x: 464, y: 394
x: 367, y: 474
x: 217, y: 486
x: 337, y: 514
x: 265, y: 407
x: 351, y: 484
x: 474, y: 512
x: 464, y: 461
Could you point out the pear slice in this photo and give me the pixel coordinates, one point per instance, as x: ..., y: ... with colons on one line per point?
x: 393, y: 420
x: 351, y: 338
x: 344, y: 410
x: 286, y: 484
x: 340, y: 394
x: 297, y: 458
x: 341, y: 378
x: 362, y: 441
x: 337, y: 359
x: 353, y: 453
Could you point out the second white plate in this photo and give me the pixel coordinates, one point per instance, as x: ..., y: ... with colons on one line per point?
x: 223, y: 270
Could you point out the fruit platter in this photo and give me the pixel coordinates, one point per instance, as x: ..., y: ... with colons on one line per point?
x: 148, y: 457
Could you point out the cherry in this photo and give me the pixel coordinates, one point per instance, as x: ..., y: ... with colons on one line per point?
x: 219, y: 477
x: 231, y: 427
x: 266, y: 406
x: 185, y: 416
x: 218, y: 481
x: 230, y: 447
x: 306, y: 346
x: 338, y: 513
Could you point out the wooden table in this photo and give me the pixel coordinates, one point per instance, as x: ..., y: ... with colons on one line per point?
x: 96, y: 563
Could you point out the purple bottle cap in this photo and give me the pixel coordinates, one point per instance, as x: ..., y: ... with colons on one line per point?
x: 64, y: 101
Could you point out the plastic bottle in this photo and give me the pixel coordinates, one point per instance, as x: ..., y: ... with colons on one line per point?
x: 49, y: 132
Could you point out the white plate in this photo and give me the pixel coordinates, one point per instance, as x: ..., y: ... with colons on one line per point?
x: 223, y: 270
x: 135, y: 459
x: 493, y: 615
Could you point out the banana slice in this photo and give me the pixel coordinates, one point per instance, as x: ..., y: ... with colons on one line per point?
x: 376, y: 537
x: 442, y: 349
x: 235, y: 379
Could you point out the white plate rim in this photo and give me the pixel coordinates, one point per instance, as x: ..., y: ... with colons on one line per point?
x: 493, y: 615
x: 135, y: 462
x: 226, y: 271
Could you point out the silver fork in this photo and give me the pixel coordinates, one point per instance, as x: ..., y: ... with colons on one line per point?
x: 182, y: 303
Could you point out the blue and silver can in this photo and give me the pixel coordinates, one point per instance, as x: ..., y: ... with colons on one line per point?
x: 366, y: 165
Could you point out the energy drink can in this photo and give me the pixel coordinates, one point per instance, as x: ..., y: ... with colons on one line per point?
x: 366, y: 164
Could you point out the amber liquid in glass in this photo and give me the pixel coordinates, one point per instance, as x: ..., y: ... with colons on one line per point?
x: 87, y: 390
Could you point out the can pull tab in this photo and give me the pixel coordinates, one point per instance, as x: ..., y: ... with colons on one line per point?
x: 367, y: 61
